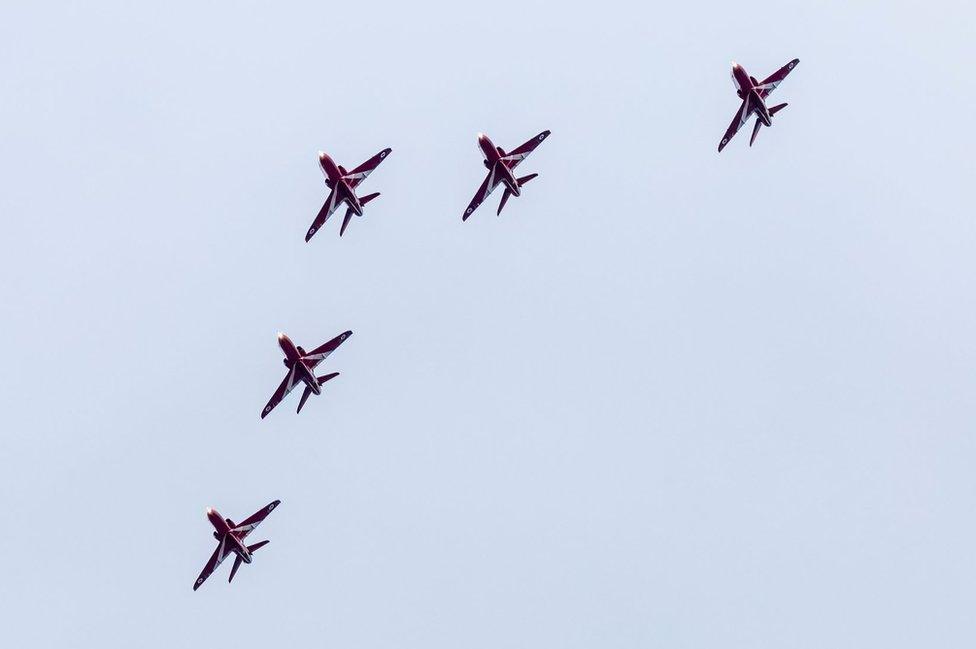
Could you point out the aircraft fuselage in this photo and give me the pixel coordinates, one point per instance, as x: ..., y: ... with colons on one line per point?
x: 495, y: 164
x: 746, y: 89
x: 222, y: 532
x: 335, y: 180
x: 293, y: 360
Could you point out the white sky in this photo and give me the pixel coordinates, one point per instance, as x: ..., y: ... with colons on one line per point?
x: 670, y: 398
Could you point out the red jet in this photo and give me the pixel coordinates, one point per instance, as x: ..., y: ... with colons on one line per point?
x: 300, y: 369
x: 500, y: 166
x: 753, y: 95
x: 230, y: 540
x: 343, y: 185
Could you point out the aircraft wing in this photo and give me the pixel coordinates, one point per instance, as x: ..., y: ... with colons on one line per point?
x: 513, y: 158
x: 246, y: 526
x: 359, y: 174
x: 222, y: 552
x: 769, y: 83
x: 322, y: 352
x: 330, y: 206
x: 486, y: 188
x: 741, y: 116
x: 290, y: 381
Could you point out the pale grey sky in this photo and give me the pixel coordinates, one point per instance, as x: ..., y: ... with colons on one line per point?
x: 670, y: 398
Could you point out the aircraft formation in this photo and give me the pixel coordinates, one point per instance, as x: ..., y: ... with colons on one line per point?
x: 342, y: 187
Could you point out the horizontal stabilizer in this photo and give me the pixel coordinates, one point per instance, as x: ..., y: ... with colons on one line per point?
x: 323, y: 379
x: 233, y: 571
x: 501, y: 206
x: 365, y: 199
x: 305, y: 394
x: 776, y: 109
x: 525, y: 179
x: 345, y: 221
x: 755, y: 131
x: 257, y: 546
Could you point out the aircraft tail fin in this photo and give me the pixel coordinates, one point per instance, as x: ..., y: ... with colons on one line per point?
x: 233, y: 571
x: 776, y: 109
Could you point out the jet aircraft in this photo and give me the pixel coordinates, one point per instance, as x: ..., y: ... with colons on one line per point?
x: 230, y: 540
x: 500, y: 166
x: 753, y: 95
x: 343, y: 185
x: 301, y: 366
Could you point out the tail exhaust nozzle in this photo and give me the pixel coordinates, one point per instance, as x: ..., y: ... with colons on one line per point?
x: 308, y: 391
x: 349, y: 212
x: 238, y: 560
x: 508, y: 193
x: 772, y: 111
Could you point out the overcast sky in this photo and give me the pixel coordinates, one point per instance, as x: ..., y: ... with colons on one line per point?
x: 670, y: 398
